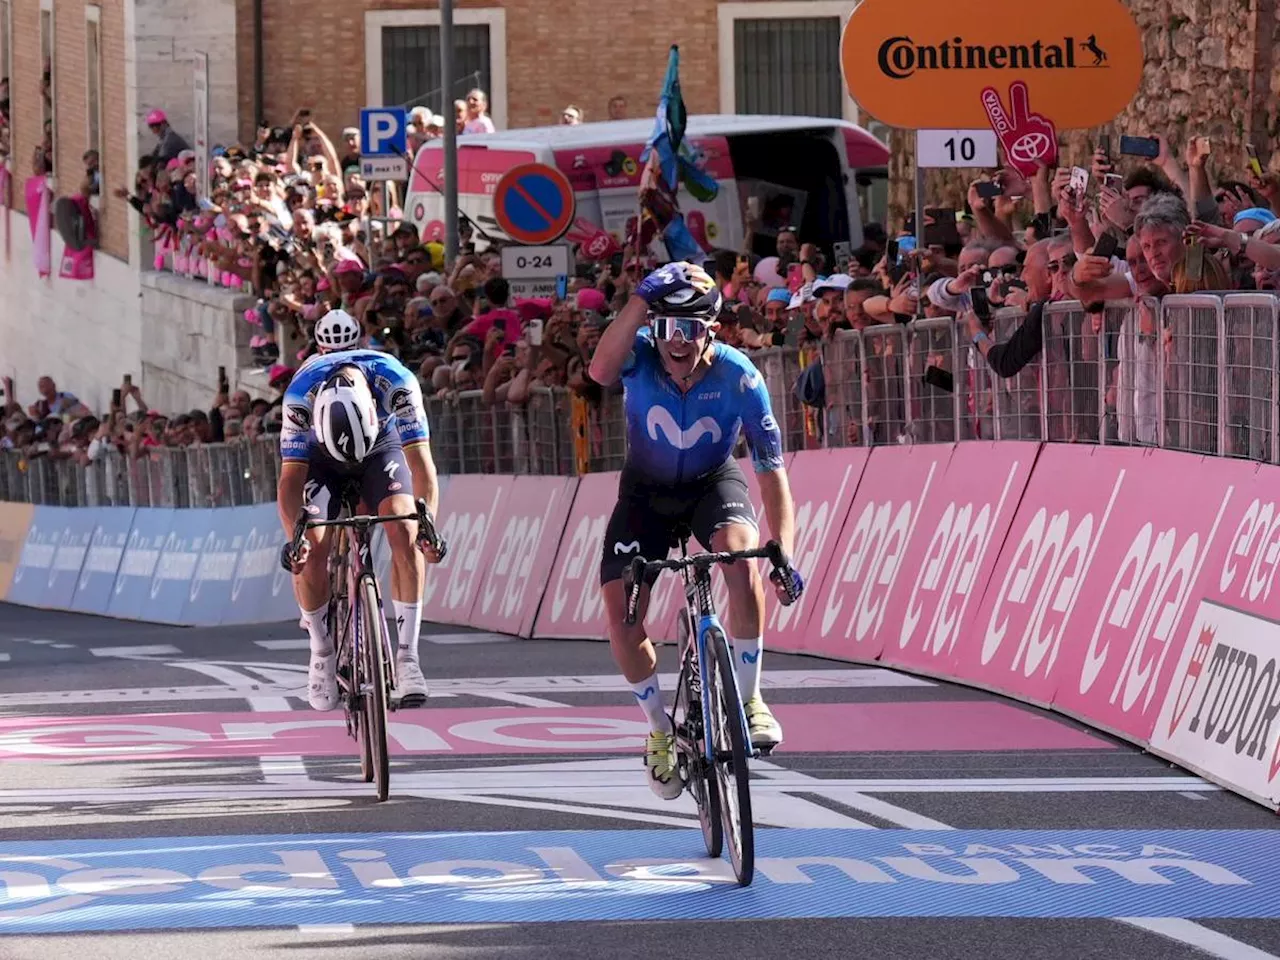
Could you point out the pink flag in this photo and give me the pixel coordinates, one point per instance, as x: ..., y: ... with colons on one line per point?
x: 78, y: 264
x: 37, y: 192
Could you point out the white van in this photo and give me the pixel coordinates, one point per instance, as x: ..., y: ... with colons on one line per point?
x: 802, y: 172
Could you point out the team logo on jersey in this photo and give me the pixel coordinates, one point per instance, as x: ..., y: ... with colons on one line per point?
x: 621, y: 549
x: 660, y: 419
x: 768, y: 424
x: 749, y: 381
x: 401, y: 403
x: 299, y: 416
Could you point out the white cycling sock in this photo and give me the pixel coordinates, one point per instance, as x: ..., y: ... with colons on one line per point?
x: 408, y: 627
x: 746, y: 660
x: 648, y: 695
x: 321, y: 642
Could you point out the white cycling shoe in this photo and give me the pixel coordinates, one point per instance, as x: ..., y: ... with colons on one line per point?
x: 660, y: 765
x: 411, y: 686
x: 322, y: 682
x: 766, y: 732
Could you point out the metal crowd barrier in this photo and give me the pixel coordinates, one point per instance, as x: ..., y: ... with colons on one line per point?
x: 210, y: 475
x: 1198, y: 373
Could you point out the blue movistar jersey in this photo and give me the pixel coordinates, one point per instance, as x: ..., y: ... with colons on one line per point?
x: 401, y: 416
x: 674, y: 437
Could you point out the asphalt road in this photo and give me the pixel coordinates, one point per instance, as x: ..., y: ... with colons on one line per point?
x: 166, y: 793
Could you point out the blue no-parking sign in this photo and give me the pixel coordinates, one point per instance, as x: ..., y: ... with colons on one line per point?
x: 384, y: 131
x: 534, y: 203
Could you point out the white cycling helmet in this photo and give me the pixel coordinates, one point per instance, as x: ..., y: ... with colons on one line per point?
x: 346, y: 416
x: 337, y: 330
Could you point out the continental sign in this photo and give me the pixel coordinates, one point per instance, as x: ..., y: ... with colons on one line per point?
x: 1081, y: 62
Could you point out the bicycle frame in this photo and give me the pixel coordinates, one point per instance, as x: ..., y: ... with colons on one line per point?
x: 697, y: 593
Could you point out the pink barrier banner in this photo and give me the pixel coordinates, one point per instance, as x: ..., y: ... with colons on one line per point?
x: 469, y: 519
x: 823, y: 484
x: 1095, y: 577
x: 957, y: 534
x: 571, y: 606
x: 516, y: 562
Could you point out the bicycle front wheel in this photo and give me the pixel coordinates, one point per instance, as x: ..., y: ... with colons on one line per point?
x: 732, y: 774
x: 373, y: 683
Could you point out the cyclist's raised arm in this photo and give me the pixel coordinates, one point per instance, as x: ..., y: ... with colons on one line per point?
x: 613, y: 352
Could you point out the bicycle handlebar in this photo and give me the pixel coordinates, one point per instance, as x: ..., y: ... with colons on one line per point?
x: 426, y: 526
x: 639, y: 569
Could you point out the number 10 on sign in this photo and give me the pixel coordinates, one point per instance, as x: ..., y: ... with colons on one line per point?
x: 955, y: 148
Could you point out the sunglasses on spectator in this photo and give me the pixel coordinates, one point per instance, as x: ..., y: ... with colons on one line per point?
x: 687, y: 329
x: 1062, y: 266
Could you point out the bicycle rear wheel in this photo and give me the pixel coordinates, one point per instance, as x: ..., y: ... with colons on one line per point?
x: 373, y: 683
x: 699, y: 777
x: 731, y: 772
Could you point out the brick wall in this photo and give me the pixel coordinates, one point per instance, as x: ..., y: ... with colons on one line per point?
x: 71, y: 133
x: 557, y: 53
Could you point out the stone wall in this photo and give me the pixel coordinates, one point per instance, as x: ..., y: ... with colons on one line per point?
x: 168, y: 33
x: 1209, y: 71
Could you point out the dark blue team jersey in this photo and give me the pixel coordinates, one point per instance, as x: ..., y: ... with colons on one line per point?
x: 674, y: 437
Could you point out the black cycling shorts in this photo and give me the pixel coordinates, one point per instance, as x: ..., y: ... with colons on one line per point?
x: 647, y: 516
x: 383, y: 473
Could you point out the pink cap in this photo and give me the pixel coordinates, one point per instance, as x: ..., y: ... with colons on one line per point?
x: 592, y: 299
x: 279, y: 371
x: 534, y: 307
x: 348, y: 265
x: 173, y: 164
x: 155, y: 117
x: 323, y: 284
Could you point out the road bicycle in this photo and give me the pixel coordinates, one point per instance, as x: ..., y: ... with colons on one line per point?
x: 366, y: 662
x: 712, y: 740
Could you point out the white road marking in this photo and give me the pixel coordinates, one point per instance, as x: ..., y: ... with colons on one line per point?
x: 467, y: 638
x: 155, y: 650
x: 292, y: 643
x: 4, y: 658
x: 522, y: 699
x: 326, y: 928
x: 274, y: 768
x: 1193, y: 796
x: 1212, y: 942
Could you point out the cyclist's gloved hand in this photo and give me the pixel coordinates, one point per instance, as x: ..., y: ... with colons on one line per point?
x: 434, y: 550
x: 293, y: 560
x: 793, y: 579
x: 672, y: 278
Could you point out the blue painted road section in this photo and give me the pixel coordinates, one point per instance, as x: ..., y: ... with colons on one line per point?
x: 256, y: 881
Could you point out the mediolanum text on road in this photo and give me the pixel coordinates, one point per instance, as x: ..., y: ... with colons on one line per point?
x: 510, y: 877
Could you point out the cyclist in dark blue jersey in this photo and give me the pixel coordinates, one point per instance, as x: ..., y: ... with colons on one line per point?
x: 687, y: 400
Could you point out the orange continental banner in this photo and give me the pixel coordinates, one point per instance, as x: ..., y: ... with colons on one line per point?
x: 15, y: 518
x: 924, y: 65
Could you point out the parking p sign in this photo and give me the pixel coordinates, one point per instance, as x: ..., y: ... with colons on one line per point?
x: 383, y: 131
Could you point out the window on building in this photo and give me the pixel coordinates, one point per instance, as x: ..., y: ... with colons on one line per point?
x: 93, y: 75
x: 48, y: 98
x: 411, y: 66
x: 6, y: 57
x: 788, y: 66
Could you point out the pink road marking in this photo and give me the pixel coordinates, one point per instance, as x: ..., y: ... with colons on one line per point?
x: 818, y: 728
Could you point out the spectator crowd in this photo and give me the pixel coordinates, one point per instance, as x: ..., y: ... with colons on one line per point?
x: 287, y: 218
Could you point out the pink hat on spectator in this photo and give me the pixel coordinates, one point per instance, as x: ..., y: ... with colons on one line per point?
x: 534, y: 307
x: 323, y: 284
x: 156, y: 117
x: 173, y: 164
x: 591, y: 299
x: 279, y: 372
x: 766, y: 272
x: 348, y: 265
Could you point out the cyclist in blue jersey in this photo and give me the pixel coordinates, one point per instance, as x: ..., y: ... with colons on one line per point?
x: 687, y: 400
x: 356, y: 416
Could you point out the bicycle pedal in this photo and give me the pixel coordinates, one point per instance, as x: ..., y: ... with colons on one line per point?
x: 409, y: 701
x: 766, y: 750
